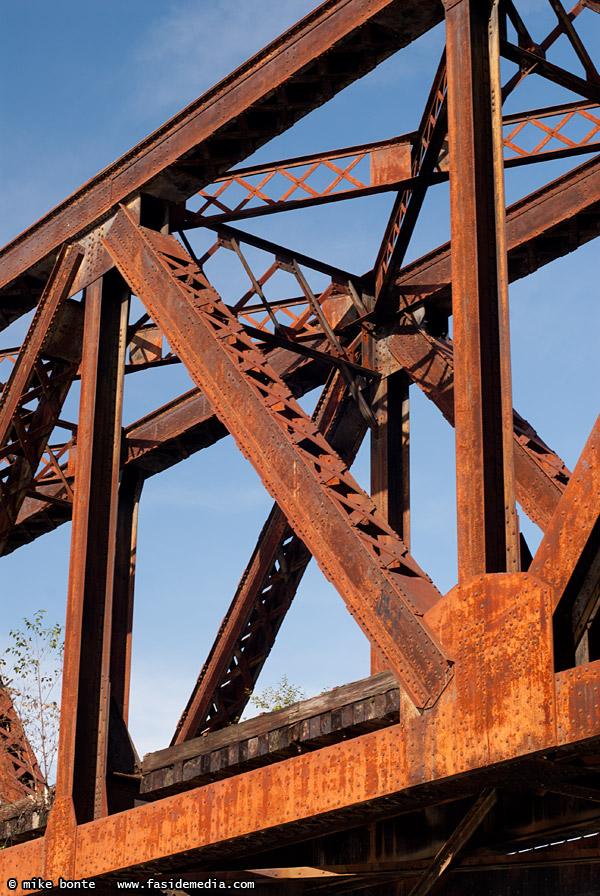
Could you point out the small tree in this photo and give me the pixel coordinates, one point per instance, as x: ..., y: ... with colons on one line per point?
x: 31, y: 668
x: 283, y: 694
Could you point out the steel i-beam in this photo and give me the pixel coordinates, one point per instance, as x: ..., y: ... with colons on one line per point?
x: 487, y: 525
x: 81, y: 770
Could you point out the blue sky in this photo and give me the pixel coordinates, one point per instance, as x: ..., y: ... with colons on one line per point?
x: 80, y: 85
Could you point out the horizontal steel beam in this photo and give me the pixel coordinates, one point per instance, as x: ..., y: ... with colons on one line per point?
x: 426, y: 757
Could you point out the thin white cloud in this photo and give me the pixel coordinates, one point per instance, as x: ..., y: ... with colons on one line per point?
x: 192, y: 46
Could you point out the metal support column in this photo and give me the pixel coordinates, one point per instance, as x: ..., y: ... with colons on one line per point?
x: 81, y: 771
x: 487, y: 526
x: 390, y: 463
x: 130, y: 492
x: 390, y: 471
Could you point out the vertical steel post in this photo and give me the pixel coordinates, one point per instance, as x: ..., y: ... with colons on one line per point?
x: 81, y: 771
x: 487, y: 526
x: 123, y: 589
x: 390, y: 462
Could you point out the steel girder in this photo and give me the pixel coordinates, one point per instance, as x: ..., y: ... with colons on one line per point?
x: 479, y: 711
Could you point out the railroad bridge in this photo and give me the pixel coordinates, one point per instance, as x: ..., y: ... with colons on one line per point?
x: 468, y: 761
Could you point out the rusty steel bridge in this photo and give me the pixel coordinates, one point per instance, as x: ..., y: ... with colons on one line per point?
x: 469, y: 761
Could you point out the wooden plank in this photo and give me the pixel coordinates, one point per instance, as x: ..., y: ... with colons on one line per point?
x: 339, y: 698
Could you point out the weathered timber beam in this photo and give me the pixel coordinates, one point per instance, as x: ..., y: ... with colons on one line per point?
x: 334, y: 45
x: 273, y: 736
x: 541, y: 476
x: 330, y: 701
x: 265, y: 591
x: 327, y: 510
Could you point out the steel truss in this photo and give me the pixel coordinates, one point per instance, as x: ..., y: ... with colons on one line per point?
x: 495, y: 716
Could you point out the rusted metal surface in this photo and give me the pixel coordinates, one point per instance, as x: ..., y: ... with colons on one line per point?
x: 347, y: 712
x: 426, y: 151
x: 547, y: 224
x: 540, y: 475
x: 81, y: 771
x: 20, y: 774
x: 382, y: 763
x: 573, y: 525
x: 130, y: 489
x: 577, y: 703
x: 455, y: 842
x: 291, y: 457
x: 487, y: 539
x: 154, y: 443
x: 43, y: 373
x: 171, y: 162
x: 489, y: 747
x: 569, y: 555
x: 265, y: 592
x: 386, y: 163
x: 554, y: 139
